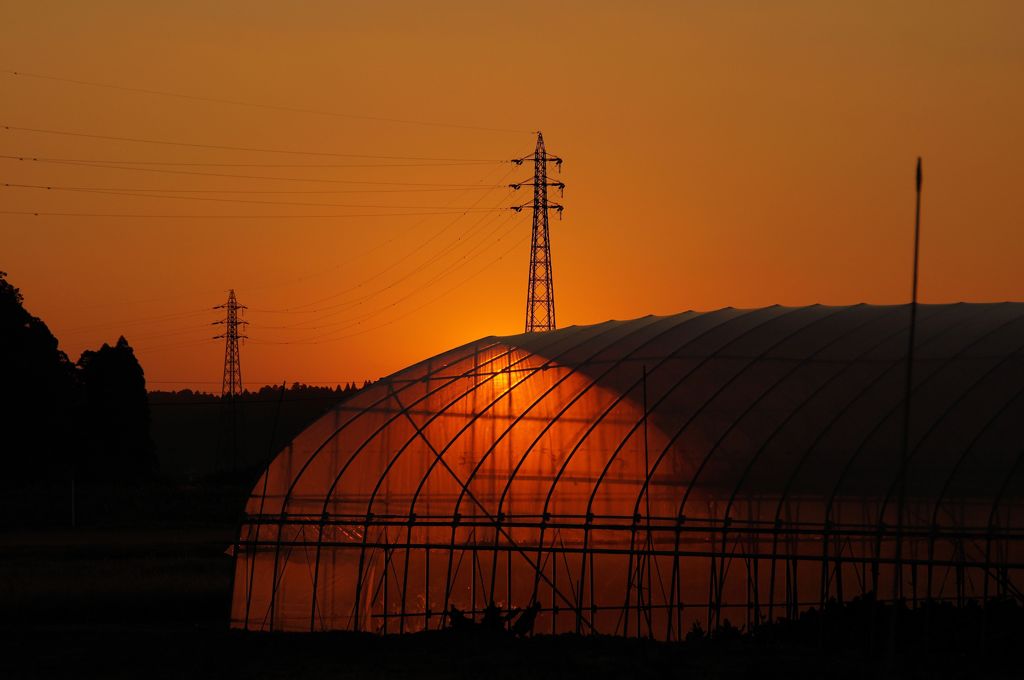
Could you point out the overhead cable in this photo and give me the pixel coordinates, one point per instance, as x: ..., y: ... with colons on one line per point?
x: 257, y: 105
x: 226, y: 147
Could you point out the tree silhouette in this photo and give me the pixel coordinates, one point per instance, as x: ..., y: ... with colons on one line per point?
x: 62, y: 420
x: 116, y: 413
x: 39, y: 382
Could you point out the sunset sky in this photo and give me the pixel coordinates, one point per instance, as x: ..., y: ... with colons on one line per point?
x: 716, y: 154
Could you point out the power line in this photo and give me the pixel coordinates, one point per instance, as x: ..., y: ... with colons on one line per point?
x: 485, y: 243
x: 172, y: 316
x: 202, y: 330
x: 426, y: 304
x: 191, y: 330
x: 196, y: 173
x: 137, y: 194
x: 421, y: 247
x: 299, y: 309
x: 172, y: 345
x: 210, y: 164
x: 465, y: 259
x: 278, y: 284
x: 434, y: 210
x: 34, y: 213
x: 359, y: 319
x: 272, y: 107
x: 452, y: 188
x: 432, y: 300
x: 335, y: 338
x: 346, y: 306
x: 350, y: 322
x: 465, y: 238
x: 225, y: 147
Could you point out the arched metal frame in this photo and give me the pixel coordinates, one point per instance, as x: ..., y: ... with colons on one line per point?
x: 617, y: 474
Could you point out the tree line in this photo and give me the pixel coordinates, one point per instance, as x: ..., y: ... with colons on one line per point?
x: 191, y: 428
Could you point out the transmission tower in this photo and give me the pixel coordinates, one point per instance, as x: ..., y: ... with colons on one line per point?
x: 540, y: 290
x: 231, y: 385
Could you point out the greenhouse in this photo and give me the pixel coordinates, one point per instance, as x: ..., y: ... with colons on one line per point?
x: 635, y: 477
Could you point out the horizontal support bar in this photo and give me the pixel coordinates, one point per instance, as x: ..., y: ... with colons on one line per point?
x: 565, y: 550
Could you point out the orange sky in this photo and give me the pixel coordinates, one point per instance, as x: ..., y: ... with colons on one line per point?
x: 716, y: 154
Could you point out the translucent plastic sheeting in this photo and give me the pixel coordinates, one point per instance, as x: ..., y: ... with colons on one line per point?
x: 634, y: 477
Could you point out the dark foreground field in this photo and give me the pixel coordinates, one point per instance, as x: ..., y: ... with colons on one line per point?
x: 203, y: 653
x: 126, y: 601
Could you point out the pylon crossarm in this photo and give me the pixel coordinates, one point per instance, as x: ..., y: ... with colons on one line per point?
x: 545, y: 158
x: 551, y: 206
x: 557, y: 185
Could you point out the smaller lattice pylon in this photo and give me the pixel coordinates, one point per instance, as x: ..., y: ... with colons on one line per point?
x: 231, y: 383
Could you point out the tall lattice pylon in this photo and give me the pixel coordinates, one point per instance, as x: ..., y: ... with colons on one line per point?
x: 231, y: 384
x: 540, y: 290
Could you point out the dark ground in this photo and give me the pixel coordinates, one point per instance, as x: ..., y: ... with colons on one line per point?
x: 135, y: 600
x: 140, y: 588
x: 166, y: 653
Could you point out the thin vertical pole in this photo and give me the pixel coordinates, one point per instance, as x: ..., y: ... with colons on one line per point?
x: 672, y: 599
x: 679, y: 589
x: 755, y: 549
x: 251, y: 549
x: 647, y: 497
x: 908, y: 387
x: 426, y: 584
x: 771, y: 572
x: 593, y: 590
x: 794, y: 551
x: 712, y: 575
x: 387, y: 567
x: 554, y: 581
x: 473, y: 564
x: 839, y: 574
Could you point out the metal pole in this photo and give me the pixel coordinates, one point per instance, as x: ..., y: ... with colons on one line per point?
x: 905, y: 452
